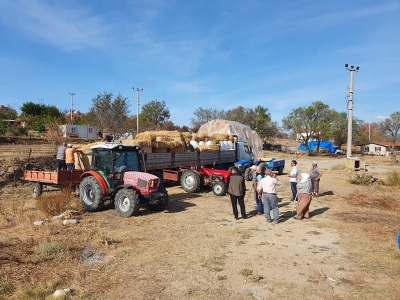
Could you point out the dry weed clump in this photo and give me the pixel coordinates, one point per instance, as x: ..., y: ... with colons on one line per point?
x: 376, y: 199
x: 392, y: 179
x: 51, y: 251
x: 338, y: 167
x: 362, y: 179
x: 53, y: 204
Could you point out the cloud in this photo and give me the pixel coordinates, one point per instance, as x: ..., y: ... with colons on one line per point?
x: 69, y: 27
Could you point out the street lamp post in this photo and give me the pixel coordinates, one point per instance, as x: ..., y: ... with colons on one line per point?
x: 137, y: 103
x: 72, y: 104
x: 352, y: 69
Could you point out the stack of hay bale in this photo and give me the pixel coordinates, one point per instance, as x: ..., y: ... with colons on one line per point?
x: 159, y: 141
x: 163, y: 142
x: 174, y: 141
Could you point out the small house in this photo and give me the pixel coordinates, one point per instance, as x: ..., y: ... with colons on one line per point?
x: 374, y: 149
x: 79, y: 131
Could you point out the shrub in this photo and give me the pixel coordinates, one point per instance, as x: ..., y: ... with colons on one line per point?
x: 392, y: 179
x: 363, y: 179
x: 51, y: 251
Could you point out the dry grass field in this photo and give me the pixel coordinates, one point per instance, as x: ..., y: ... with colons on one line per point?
x: 196, y: 249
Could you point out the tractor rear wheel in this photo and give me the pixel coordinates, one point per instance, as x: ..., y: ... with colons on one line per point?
x: 90, y: 194
x: 219, y: 188
x: 248, y: 175
x: 126, y: 203
x: 190, y: 181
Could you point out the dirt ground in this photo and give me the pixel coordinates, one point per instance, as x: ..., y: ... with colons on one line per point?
x: 197, y: 250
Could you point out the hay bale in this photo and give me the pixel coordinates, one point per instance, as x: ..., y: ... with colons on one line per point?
x: 140, y: 143
x: 148, y: 149
x: 186, y: 135
x: 220, y: 136
x: 199, y: 137
x: 180, y: 149
x: 207, y: 148
x: 146, y: 136
x: 82, y: 161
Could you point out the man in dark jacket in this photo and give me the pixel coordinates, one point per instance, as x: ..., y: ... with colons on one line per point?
x: 236, y: 191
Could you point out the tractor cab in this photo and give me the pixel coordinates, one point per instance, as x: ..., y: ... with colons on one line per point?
x: 112, y: 160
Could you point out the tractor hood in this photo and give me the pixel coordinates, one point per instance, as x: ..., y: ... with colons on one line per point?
x: 146, y: 183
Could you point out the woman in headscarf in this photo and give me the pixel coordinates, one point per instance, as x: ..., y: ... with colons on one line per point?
x: 304, y: 196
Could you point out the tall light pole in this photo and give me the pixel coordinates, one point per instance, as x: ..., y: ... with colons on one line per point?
x: 72, y: 104
x: 137, y: 103
x: 352, y: 69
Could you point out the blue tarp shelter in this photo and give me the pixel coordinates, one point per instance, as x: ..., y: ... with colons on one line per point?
x: 322, y: 145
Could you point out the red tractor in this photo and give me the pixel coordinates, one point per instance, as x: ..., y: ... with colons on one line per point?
x: 192, y: 179
x: 115, y: 175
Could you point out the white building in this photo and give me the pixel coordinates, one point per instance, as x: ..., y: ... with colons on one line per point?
x: 374, y: 149
x: 79, y: 131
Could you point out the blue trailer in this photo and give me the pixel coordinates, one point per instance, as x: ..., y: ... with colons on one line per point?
x: 270, y: 163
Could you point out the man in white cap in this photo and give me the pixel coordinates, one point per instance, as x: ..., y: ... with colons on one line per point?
x: 315, y: 175
x: 267, y: 191
x: 304, y: 196
x: 69, y: 157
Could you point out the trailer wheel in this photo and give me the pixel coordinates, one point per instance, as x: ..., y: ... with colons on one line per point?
x: 90, y: 194
x: 280, y: 170
x: 219, y: 188
x: 36, y: 190
x: 164, y: 202
x: 126, y: 203
x: 190, y: 181
x: 248, y: 175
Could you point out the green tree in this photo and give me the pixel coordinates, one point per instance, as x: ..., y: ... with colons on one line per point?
x: 155, y: 112
x: 38, y: 115
x: 7, y: 113
x: 391, y: 126
x: 263, y: 124
x: 3, y: 127
x: 110, y: 114
x: 309, y: 123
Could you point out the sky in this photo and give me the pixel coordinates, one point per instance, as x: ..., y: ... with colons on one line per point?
x: 217, y: 54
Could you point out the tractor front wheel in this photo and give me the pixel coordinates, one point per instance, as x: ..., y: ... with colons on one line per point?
x: 219, y: 188
x: 127, y: 203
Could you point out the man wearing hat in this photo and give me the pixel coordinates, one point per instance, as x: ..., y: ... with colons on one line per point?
x: 69, y: 157
x: 267, y: 192
x: 315, y: 175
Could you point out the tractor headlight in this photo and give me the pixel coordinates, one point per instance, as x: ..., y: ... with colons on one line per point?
x: 153, y: 183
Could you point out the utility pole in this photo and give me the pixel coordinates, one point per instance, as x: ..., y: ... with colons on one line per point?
x: 137, y: 103
x: 352, y: 69
x: 72, y: 104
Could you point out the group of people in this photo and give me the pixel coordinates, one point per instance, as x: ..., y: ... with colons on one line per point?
x: 66, y: 153
x: 66, y: 157
x: 265, y: 183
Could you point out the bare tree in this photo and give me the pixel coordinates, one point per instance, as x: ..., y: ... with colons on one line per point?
x: 110, y: 114
x: 391, y: 126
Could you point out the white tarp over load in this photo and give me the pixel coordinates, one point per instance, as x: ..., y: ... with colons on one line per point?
x: 235, y: 128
